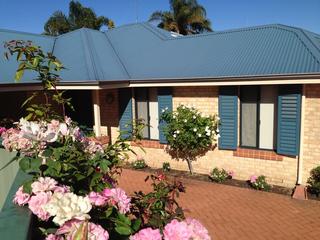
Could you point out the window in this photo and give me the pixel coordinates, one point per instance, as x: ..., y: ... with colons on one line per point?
x: 258, y: 116
x: 146, y: 106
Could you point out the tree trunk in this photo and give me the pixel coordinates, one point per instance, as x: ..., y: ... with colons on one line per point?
x: 189, y: 161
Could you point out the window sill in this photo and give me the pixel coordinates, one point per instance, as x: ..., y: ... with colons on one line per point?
x: 149, y: 144
x: 257, y: 154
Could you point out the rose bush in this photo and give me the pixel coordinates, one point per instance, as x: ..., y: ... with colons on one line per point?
x: 189, y: 133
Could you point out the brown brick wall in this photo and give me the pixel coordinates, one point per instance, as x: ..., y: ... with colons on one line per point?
x: 109, y: 112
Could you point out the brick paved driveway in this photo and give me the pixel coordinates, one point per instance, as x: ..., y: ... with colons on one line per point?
x: 237, y: 213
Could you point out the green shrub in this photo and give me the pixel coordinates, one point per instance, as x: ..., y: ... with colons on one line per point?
x: 166, y: 167
x: 314, y: 181
x: 259, y: 183
x: 220, y: 176
x: 139, y: 164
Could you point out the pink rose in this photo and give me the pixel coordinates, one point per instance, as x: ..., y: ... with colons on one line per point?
x: 37, y: 202
x: 197, y: 229
x: 177, y: 230
x: 44, y: 184
x: 231, y: 173
x: 21, y: 198
x: 147, y: 234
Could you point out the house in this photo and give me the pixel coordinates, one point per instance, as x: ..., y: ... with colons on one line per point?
x: 264, y: 82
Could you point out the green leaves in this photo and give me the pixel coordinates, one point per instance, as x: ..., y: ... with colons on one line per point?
x: 28, y: 164
x: 123, y: 225
x: 20, y: 71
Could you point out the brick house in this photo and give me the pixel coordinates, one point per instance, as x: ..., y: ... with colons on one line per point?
x: 264, y: 82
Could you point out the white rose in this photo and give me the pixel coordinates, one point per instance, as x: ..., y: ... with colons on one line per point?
x: 178, y: 131
x: 185, y: 120
x: 194, y: 129
x: 174, y: 135
x: 199, y: 135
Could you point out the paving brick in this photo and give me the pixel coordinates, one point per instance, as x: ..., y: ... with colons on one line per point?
x: 237, y: 213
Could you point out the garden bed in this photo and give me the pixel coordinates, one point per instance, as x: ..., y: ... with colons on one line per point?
x: 204, y: 177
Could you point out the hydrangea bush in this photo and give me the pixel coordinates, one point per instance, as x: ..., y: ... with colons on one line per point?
x: 189, y: 133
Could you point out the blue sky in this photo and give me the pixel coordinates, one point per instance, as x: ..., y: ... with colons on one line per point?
x: 30, y: 15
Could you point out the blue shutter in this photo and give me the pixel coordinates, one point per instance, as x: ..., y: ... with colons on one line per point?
x: 289, y: 114
x: 164, y: 101
x: 125, y: 112
x: 228, y: 113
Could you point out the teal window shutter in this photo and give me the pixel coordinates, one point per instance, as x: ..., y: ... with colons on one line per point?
x: 228, y: 113
x: 125, y: 112
x: 164, y: 102
x: 289, y: 114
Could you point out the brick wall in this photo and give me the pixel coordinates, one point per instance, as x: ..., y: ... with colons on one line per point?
x: 109, y: 113
x: 280, y: 170
x: 311, y: 143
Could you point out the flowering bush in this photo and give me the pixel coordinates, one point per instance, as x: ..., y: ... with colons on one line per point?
x: 166, y: 167
x: 314, y: 181
x: 220, y: 176
x: 140, y: 163
x: 189, y: 133
x: 259, y: 183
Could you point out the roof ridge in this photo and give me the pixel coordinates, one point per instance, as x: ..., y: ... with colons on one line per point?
x: 117, y: 55
x: 300, y: 33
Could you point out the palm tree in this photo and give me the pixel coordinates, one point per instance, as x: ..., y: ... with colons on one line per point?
x: 185, y: 17
x: 78, y: 17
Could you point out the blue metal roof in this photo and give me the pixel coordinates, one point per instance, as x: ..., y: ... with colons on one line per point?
x: 144, y: 52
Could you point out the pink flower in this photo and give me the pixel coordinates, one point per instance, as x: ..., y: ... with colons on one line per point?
x: 67, y: 120
x: 21, y: 198
x: 95, y: 231
x: 253, y: 178
x: 231, y: 173
x: 54, y: 237
x: 54, y: 126
x: 44, y: 184
x: 122, y: 200
x: 37, y: 202
x: 147, y: 234
x: 62, y: 189
x: 197, y: 229
x: 177, y: 230
x: 2, y: 130
x: 97, y: 199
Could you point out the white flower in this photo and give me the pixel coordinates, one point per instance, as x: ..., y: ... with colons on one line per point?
x: 185, y: 120
x: 163, y: 110
x: 63, y: 129
x: 177, y: 131
x: 183, y: 107
x: 217, y: 130
x: 66, y: 206
x: 166, y: 108
x: 174, y: 135
x: 174, y: 117
x: 218, y: 118
x: 218, y: 135
x: 195, y: 130
x: 194, y: 117
x: 208, y: 134
x: 199, y: 135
